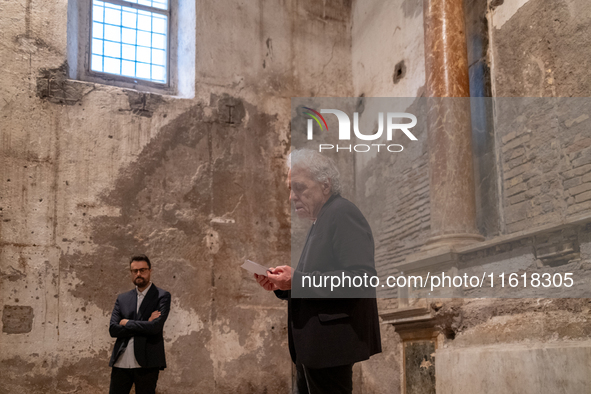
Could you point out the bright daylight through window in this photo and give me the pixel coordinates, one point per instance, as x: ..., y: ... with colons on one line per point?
x: 130, y: 38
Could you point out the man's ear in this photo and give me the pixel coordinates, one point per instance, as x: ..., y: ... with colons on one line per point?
x: 326, y: 187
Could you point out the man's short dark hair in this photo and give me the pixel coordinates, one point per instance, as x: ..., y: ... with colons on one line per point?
x: 141, y: 257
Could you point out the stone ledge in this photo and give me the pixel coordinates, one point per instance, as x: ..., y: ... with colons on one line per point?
x: 577, y: 220
x: 408, y: 314
x: 518, y: 346
x: 449, y: 255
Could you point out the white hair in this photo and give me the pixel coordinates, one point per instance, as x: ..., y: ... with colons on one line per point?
x: 321, y: 167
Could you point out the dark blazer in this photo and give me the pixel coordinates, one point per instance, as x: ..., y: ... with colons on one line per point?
x: 148, y: 339
x: 327, y: 332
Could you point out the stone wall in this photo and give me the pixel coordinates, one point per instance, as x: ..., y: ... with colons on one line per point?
x: 532, y: 173
x: 546, y: 160
x: 545, y: 152
x: 91, y: 174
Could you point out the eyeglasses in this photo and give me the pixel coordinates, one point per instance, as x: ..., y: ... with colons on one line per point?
x: 141, y: 271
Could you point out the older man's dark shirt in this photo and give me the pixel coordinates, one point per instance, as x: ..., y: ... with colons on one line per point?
x: 325, y: 331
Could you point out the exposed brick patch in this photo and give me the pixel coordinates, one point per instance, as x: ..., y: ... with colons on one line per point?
x: 526, y: 167
x: 583, y: 197
x: 575, y: 209
x: 406, y: 220
x: 572, y: 182
x: 517, y: 212
x: 580, y: 189
x: 579, y: 145
x: 518, y: 142
x: 546, y: 165
x: 584, y: 159
x: 518, y: 226
x: 577, y: 171
x: 544, y: 134
x: 519, y: 188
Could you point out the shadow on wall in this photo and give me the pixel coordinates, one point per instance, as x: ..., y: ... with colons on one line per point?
x: 199, y: 167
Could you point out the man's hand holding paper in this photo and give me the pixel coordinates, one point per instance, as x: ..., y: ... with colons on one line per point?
x: 280, y: 277
x: 270, y: 279
x: 265, y: 282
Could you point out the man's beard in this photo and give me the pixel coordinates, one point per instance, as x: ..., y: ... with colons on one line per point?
x: 139, y: 281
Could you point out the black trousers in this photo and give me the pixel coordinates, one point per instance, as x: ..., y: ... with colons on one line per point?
x: 334, y: 380
x: 145, y: 380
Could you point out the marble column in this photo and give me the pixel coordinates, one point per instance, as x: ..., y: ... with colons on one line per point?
x: 453, y: 206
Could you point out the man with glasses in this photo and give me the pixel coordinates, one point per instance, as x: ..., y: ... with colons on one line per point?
x: 137, y: 322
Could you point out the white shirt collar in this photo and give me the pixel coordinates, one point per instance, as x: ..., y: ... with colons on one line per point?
x: 143, y: 293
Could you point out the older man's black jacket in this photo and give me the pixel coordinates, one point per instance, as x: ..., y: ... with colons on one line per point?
x: 325, y: 331
x: 148, y: 339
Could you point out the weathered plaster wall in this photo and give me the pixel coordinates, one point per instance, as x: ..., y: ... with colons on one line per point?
x: 91, y: 174
x: 542, y: 49
x: 385, y: 34
x: 515, y: 369
x: 531, y: 167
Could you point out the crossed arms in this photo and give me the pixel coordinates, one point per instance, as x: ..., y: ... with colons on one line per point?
x: 123, y: 328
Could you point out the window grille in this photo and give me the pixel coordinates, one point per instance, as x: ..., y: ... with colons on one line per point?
x: 130, y: 38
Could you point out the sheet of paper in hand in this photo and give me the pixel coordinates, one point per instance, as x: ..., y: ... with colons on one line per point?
x: 254, y: 268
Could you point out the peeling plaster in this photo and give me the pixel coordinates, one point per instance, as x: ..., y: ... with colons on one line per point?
x: 121, y: 172
x: 181, y: 322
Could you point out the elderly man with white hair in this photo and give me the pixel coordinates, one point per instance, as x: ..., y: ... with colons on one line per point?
x: 327, y: 335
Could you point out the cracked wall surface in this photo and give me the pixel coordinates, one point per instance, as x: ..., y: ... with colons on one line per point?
x: 92, y: 174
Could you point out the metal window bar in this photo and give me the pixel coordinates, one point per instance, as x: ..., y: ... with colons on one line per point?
x: 141, y: 9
